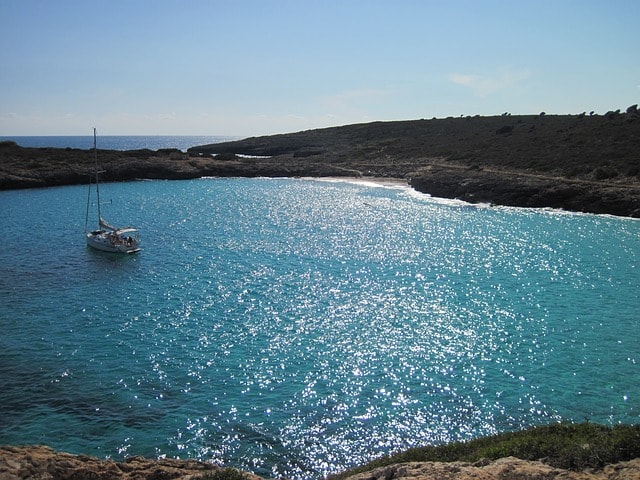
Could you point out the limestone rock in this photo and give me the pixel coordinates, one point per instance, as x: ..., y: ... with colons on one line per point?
x: 44, y: 463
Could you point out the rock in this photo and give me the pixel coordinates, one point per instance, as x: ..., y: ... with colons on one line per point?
x: 43, y: 463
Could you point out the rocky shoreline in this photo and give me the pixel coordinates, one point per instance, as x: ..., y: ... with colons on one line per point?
x: 585, y: 163
x: 44, y: 463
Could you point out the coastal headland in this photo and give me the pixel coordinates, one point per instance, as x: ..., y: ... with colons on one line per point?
x: 585, y: 162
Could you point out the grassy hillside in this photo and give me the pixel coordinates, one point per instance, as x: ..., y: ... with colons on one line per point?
x: 574, y: 146
x: 567, y: 446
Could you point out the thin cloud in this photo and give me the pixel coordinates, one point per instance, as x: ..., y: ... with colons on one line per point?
x: 354, y: 106
x: 462, y: 79
x: 483, y: 86
x: 355, y: 98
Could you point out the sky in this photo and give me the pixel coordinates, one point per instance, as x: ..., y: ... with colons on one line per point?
x: 262, y: 67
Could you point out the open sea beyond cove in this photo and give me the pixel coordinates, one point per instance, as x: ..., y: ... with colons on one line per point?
x: 117, y: 142
x: 295, y: 327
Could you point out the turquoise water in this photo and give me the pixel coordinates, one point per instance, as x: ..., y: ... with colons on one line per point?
x: 117, y: 142
x: 295, y: 327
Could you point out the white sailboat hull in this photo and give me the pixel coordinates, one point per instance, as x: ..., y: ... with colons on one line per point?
x: 114, y: 242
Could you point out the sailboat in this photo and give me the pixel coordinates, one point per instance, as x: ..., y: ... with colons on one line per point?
x: 108, y: 238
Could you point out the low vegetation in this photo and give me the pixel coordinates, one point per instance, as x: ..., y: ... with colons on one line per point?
x: 225, y: 474
x: 567, y: 446
x: 584, y: 147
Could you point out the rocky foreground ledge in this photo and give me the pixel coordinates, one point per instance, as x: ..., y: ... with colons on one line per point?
x: 586, y: 163
x: 509, y: 468
x: 43, y: 463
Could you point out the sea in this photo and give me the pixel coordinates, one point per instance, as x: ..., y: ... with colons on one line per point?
x: 298, y: 327
x: 118, y: 142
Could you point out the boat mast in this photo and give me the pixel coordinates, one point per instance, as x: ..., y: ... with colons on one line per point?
x: 95, y: 158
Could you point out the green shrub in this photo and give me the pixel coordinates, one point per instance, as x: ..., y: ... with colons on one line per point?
x: 225, y: 474
x: 569, y: 446
x: 605, y: 172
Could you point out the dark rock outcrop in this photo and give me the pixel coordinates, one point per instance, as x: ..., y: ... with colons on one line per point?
x: 521, y: 189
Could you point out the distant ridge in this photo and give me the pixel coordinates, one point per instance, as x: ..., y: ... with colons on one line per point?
x: 574, y: 146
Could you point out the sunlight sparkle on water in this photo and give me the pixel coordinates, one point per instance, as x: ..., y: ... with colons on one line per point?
x: 295, y: 328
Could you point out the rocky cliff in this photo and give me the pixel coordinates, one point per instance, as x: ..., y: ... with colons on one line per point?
x: 43, y: 463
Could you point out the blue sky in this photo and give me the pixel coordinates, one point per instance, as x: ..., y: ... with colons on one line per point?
x: 257, y: 67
